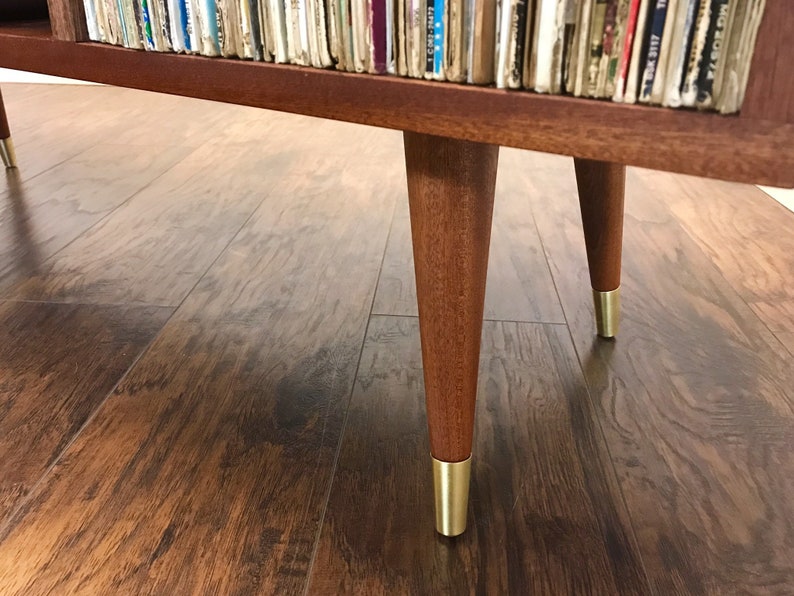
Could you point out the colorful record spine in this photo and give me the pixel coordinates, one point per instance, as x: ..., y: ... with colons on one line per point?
x: 91, y: 20
x: 711, y: 53
x: 625, y: 56
x: 379, y: 38
x: 438, y: 39
x: 654, y: 48
x: 146, y: 29
x: 689, y: 89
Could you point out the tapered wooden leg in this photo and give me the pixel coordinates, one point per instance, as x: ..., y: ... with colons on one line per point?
x: 601, y: 190
x: 451, y: 191
x: 6, y: 144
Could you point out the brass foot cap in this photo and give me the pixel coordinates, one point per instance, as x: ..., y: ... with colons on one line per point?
x: 451, y: 484
x: 7, y: 153
x: 607, y: 312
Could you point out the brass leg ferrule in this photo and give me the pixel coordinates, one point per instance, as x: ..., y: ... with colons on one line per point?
x: 7, y: 153
x: 451, y: 484
x: 607, y: 312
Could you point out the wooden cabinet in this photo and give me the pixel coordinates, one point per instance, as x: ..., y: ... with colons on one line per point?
x: 452, y: 135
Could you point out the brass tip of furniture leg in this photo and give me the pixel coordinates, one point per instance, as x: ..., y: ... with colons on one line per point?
x: 607, y: 312
x: 451, y: 484
x: 7, y: 153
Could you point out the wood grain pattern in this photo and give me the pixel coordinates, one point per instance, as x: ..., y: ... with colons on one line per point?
x: 710, y: 145
x: 153, y: 250
x: 746, y: 235
x: 519, y: 286
x: 67, y: 19
x: 43, y: 214
x: 56, y: 139
x: 770, y: 89
x: 45, y: 133
x: 695, y: 398
x: 123, y: 258
x: 205, y: 474
x: 112, y: 109
x: 46, y: 146
x: 33, y: 108
x: 46, y: 395
x: 545, y: 513
x: 5, y: 132
x: 786, y: 338
x: 451, y: 193
x: 208, y: 470
x: 601, y: 188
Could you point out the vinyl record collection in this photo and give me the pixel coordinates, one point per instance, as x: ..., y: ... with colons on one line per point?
x: 675, y: 53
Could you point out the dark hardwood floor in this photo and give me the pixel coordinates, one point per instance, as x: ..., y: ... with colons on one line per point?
x: 210, y: 374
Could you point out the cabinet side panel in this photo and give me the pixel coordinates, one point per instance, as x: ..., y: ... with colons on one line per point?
x: 770, y: 90
x: 67, y: 18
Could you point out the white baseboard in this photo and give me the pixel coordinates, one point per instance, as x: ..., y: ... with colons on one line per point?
x: 17, y: 76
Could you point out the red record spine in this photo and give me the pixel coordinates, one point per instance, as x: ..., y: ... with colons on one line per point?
x: 625, y: 57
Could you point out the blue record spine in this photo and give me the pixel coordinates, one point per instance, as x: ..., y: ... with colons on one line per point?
x: 182, y: 7
x: 213, y: 18
x: 438, y: 38
x: 193, y: 34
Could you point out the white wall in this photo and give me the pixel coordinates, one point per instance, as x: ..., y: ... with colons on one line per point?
x: 784, y: 196
x: 17, y: 76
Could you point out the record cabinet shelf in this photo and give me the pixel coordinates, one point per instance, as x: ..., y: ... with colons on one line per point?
x: 753, y: 147
x: 452, y: 134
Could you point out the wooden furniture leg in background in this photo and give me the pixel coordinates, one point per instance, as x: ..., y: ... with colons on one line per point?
x: 451, y: 191
x: 6, y: 144
x: 601, y: 190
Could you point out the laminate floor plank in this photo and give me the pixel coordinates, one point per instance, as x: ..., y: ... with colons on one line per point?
x: 545, y: 515
x: 30, y: 105
x: 208, y: 469
x: 695, y: 396
x: 787, y: 339
x: 43, y: 147
x: 746, y: 234
x: 57, y: 365
x: 156, y: 246
x: 40, y: 216
x: 519, y: 286
x: 145, y: 119
x: 143, y: 122
x: 156, y: 119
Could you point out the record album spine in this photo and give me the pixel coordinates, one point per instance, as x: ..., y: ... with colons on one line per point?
x: 596, y: 47
x: 516, y: 51
x: 625, y: 56
x: 654, y: 49
x: 379, y: 40
x: 689, y: 88
x: 678, y: 55
x: 711, y: 52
